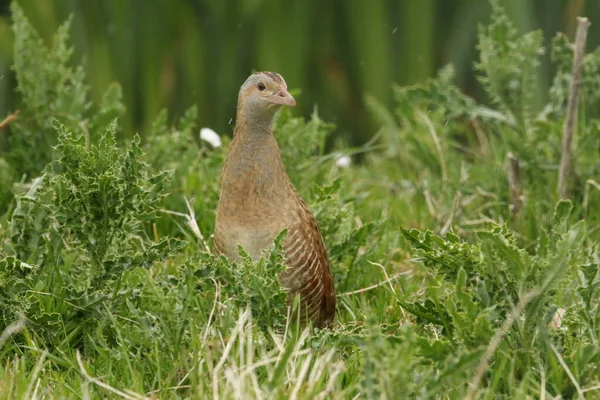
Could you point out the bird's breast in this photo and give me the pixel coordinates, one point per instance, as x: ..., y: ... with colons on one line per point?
x: 251, y: 213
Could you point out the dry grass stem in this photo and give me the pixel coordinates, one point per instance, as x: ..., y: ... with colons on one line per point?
x: 12, y: 329
x: 573, y: 106
x: 128, y: 396
x: 484, y: 144
x: 375, y: 286
x: 9, y: 119
x: 191, y: 221
x: 567, y: 370
x: 34, y: 376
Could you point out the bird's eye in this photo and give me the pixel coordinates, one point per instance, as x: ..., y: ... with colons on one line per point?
x: 261, y: 86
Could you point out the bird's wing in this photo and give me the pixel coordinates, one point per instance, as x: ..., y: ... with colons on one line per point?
x: 307, y: 272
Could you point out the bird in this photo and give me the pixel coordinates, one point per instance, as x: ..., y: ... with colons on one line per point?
x: 258, y: 201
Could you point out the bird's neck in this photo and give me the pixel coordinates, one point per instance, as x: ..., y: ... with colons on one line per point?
x: 254, y: 159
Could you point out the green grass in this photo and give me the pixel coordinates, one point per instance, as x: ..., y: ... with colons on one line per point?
x: 448, y: 286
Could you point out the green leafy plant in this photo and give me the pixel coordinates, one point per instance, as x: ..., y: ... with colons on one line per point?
x: 455, y: 275
x: 78, y: 228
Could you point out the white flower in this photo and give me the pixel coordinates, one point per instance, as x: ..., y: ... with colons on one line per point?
x: 343, y: 161
x: 210, y: 136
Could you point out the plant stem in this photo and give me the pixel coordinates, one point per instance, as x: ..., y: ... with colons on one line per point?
x: 514, y: 182
x: 573, y: 105
x: 9, y: 119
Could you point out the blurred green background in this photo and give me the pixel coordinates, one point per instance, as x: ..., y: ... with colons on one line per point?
x: 174, y: 53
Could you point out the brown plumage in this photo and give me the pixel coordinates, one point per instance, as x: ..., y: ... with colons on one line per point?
x: 258, y: 201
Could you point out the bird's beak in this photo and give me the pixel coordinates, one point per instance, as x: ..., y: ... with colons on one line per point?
x: 283, y: 97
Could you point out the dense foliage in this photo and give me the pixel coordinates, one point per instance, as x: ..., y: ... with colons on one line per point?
x: 453, y: 280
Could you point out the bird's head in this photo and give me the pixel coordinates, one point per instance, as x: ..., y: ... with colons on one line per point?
x: 263, y: 94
